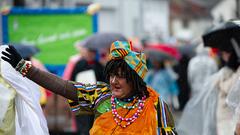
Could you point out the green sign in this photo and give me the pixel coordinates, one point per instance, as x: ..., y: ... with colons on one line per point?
x: 54, y: 34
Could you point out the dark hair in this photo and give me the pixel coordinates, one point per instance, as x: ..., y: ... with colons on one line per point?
x: 113, y: 66
x: 233, y: 62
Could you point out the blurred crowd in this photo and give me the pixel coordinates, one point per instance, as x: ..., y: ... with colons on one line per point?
x: 189, y: 76
x: 198, y: 80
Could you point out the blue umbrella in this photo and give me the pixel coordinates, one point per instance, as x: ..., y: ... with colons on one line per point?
x: 26, y: 51
x: 103, y: 40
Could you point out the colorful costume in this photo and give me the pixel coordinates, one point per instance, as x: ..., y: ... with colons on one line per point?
x: 96, y: 99
x: 112, y: 116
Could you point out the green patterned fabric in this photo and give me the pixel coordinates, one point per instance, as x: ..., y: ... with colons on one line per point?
x: 123, y: 50
x: 105, y: 106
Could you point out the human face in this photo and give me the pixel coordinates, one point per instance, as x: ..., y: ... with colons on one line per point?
x: 225, y: 56
x: 120, y: 87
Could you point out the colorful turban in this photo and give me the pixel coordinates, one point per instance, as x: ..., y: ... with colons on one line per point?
x: 123, y: 50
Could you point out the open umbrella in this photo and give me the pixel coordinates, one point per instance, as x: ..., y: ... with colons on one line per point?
x: 26, y: 51
x: 162, y: 52
x: 103, y: 40
x: 225, y: 36
x: 187, y: 50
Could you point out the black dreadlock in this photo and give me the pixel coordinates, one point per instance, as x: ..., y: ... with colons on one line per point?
x: 113, y: 66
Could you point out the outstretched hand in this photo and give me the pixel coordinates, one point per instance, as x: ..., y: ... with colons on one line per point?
x: 11, y: 56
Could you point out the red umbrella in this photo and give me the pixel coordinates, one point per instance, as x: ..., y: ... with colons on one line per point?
x: 162, y: 51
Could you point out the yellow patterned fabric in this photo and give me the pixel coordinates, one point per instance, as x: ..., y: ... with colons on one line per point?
x: 8, y: 93
x: 88, y: 97
x: 123, y: 50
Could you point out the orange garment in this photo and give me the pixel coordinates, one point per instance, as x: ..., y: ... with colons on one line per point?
x: 145, y: 124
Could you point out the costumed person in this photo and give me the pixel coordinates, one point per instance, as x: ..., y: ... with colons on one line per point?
x: 124, y: 106
x: 20, y: 111
x: 225, y: 37
x: 225, y: 124
x: 214, y: 116
x: 197, y: 75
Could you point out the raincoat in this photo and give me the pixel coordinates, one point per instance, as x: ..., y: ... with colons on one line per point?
x: 201, y: 108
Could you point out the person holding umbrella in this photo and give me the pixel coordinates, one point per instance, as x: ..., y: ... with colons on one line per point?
x: 124, y: 106
x: 212, y: 115
x: 225, y: 37
x: 197, y: 77
x: 161, y: 77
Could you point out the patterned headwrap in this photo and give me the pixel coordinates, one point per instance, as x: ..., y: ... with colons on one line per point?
x: 123, y: 50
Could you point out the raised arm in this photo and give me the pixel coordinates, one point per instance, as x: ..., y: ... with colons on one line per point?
x: 44, y: 79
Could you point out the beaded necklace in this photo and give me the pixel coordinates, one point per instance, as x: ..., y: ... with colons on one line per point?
x: 128, y: 99
x: 118, y: 119
x: 124, y: 106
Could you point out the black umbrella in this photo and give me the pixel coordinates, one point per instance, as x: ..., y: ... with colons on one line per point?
x: 225, y: 36
x: 103, y: 40
x: 26, y: 51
